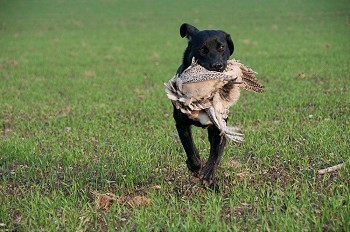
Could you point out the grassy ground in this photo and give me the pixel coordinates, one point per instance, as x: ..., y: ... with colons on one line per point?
x: 83, y: 113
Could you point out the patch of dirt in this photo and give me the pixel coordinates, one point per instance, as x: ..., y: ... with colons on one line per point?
x: 274, y: 27
x: 13, y: 63
x: 7, y: 127
x: 136, y: 201
x: 89, y: 73
x: 103, y: 201
x: 302, y: 75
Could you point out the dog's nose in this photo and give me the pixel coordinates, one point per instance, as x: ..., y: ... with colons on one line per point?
x: 219, y: 67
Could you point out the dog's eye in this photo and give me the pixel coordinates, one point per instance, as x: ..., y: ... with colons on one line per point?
x: 221, y: 48
x: 204, y: 50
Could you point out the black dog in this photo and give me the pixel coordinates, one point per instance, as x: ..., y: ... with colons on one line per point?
x: 211, y: 49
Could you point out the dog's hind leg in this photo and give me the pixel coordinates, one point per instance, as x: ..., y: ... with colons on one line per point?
x: 217, y: 144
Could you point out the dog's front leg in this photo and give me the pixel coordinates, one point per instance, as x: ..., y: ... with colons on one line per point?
x: 217, y: 145
x: 193, y: 159
x: 183, y: 126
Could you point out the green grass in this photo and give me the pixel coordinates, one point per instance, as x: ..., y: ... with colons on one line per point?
x: 83, y: 111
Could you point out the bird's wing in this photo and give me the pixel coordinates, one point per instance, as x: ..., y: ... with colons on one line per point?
x: 247, y: 76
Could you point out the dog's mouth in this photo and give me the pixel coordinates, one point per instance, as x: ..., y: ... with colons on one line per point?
x: 217, y: 67
x: 220, y: 68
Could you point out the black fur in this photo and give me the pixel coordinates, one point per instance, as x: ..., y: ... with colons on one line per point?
x: 211, y: 49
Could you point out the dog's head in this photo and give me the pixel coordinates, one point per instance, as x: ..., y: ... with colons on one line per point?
x: 210, y: 48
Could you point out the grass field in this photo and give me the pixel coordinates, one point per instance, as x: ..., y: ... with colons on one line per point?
x: 83, y: 113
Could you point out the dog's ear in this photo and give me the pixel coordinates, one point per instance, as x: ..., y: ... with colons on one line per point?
x: 187, y: 30
x: 229, y: 43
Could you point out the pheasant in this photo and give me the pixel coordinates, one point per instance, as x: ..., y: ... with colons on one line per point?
x: 206, y: 96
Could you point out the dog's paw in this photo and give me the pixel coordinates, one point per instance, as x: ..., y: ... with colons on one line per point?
x: 207, y: 177
x: 210, y: 184
x: 193, y: 166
